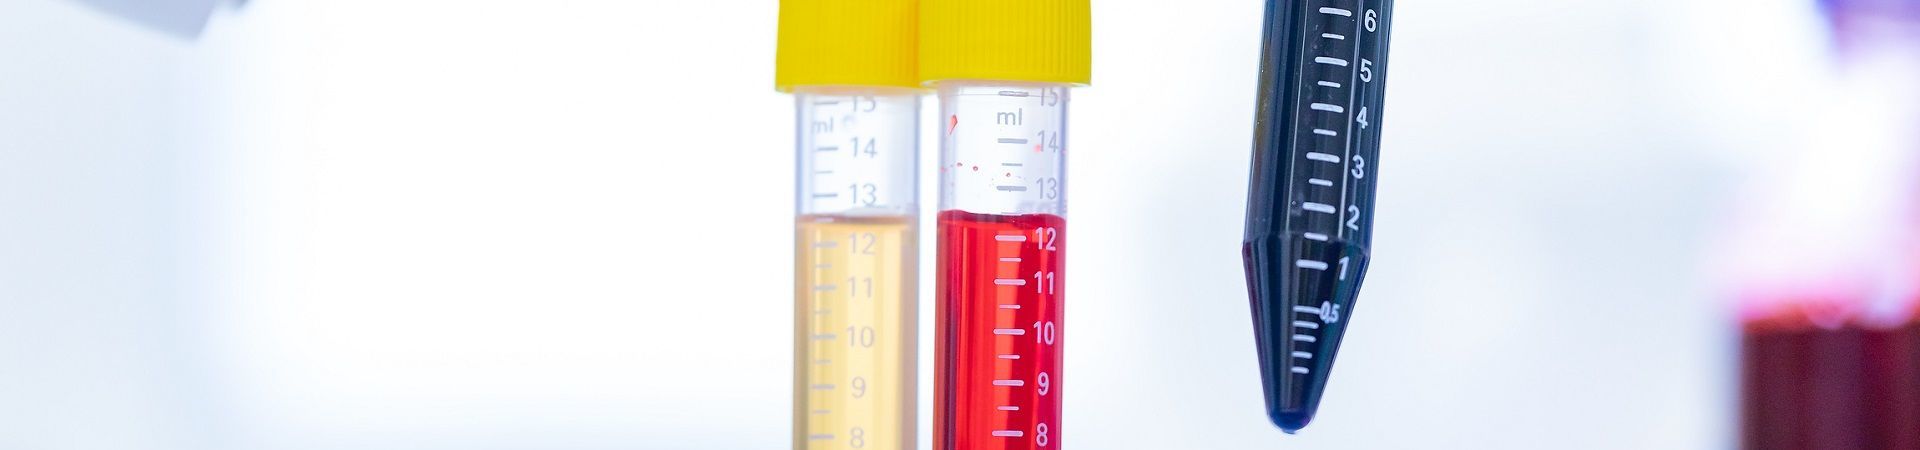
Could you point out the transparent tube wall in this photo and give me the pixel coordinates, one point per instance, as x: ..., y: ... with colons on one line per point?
x: 855, y: 268
x: 1002, y: 237
x: 1002, y: 148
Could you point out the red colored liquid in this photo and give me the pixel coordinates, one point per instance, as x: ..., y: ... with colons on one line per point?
x: 997, y: 366
x: 1808, y: 387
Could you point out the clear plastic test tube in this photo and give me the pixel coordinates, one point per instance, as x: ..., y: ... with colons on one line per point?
x: 1002, y: 70
x: 849, y: 66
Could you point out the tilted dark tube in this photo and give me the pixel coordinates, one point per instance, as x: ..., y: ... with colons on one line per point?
x: 1310, y: 201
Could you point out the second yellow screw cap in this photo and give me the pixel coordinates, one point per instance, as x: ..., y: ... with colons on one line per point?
x: 1010, y: 40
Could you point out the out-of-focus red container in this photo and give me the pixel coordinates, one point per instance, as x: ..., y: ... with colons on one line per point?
x: 1806, y: 386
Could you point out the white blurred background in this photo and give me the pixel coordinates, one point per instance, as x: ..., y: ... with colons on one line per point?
x: 566, y: 225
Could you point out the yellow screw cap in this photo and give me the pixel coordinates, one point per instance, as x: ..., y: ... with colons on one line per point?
x: 1011, y: 40
x: 846, y: 43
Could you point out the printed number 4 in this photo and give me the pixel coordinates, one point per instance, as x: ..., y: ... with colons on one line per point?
x: 866, y: 150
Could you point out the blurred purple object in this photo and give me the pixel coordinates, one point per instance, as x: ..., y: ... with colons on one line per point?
x: 1885, y: 8
x: 1873, y: 22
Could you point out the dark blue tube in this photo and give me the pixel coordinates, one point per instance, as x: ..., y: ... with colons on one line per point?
x: 1310, y: 200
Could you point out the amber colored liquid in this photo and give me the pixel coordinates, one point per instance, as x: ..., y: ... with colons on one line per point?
x: 854, y: 333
